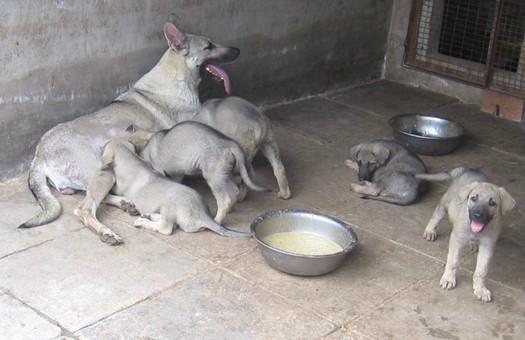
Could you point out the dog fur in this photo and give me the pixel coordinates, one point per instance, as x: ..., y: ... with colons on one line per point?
x: 193, y: 148
x: 386, y: 172
x: 69, y: 155
x: 163, y: 204
x: 476, y: 208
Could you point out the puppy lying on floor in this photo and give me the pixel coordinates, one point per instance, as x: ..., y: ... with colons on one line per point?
x: 192, y: 148
x: 163, y: 203
x: 386, y: 172
x: 475, y: 208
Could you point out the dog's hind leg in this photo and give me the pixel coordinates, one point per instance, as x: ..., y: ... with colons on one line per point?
x: 226, y: 193
x: 155, y: 222
x: 97, y: 190
x: 270, y: 150
x: 430, y: 233
x: 366, y: 188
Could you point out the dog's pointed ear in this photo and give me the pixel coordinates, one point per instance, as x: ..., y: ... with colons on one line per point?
x: 131, y: 128
x: 176, y: 39
x: 382, y: 154
x: 465, y: 191
x: 507, y: 202
x: 354, y: 151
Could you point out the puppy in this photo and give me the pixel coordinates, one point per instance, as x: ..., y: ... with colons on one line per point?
x: 475, y: 207
x: 192, y: 148
x: 386, y: 172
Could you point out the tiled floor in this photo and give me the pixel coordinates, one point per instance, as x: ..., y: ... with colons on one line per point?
x: 60, y: 281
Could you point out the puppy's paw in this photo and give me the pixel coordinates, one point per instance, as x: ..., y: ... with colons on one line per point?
x: 351, y: 164
x: 129, y: 207
x: 355, y: 187
x: 111, y: 238
x: 285, y: 194
x: 483, y: 294
x: 448, y: 281
x: 141, y: 222
x: 430, y: 235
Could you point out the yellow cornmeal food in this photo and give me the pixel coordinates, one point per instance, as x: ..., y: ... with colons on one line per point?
x: 302, y: 243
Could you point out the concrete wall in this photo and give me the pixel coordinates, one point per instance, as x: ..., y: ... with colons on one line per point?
x: 64, y: 58
x: 394, y: 69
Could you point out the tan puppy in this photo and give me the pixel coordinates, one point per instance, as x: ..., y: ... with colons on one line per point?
x: 475, y: 208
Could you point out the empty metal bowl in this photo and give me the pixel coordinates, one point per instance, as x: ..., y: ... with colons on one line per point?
x: 427, y: 135
x: 288, y: 220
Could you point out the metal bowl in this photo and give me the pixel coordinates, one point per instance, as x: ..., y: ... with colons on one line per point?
x: 287, y: 220
x: 427, y: 135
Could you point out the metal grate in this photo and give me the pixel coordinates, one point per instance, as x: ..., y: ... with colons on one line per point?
x: 478, y: 41
x: 509, y: 53
x: 465, y: 29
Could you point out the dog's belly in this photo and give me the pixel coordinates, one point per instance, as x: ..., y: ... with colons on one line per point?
x: 72, y: 152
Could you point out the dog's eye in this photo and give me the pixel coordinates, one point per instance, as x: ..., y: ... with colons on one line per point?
x: 209, y: 46
x: 492, y: 203
x: 474, y: 198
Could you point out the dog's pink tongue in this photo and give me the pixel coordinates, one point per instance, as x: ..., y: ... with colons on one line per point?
x: 476, y: 227
x: 220, y: 74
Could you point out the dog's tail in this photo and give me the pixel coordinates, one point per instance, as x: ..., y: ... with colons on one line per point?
x: 240, y: 158
x: 51, y: 208
x: 442, y: 176
x: 227, y: 232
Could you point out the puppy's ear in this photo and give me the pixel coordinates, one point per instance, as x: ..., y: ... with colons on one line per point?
x: 131, y: 128
x: 465, y: 191
x: 382, y: 154
x: 354, y: 151
x: 176, y: 39
x: 507, y: 202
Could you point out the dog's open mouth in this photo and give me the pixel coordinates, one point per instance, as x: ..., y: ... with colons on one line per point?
x: 220, y: 75
x: 476, y: 227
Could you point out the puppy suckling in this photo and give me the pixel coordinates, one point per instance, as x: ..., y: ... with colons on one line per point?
x: 195, y: 149
x: 163, y: 203
x: 476, y: 208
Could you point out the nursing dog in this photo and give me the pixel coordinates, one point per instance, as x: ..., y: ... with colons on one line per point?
x: 475, y: 207
x: 386, y: 172
x: 164, y: 204
x: 69, y: 155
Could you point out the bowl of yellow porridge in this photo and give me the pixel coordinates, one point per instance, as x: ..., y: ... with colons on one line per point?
x: 302, y: 242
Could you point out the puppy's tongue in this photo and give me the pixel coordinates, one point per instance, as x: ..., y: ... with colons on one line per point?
x: 476, y: 227
x: 220, y: 74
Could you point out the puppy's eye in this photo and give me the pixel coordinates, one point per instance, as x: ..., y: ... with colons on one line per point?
x: 492, y: 203
x: 474, y: 198
x: 209, y: 46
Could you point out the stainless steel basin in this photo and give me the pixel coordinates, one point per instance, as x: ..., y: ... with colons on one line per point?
x: 287, y: 220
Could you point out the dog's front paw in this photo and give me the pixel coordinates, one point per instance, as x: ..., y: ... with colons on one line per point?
x: 355, y: 187
x: 129, y: 207
x: 111, y: 238
x: 448, y: 281
x: 430, y: 235
x: 141, y: 221
x: 351, y: 164
x: 285, y: 194
x: 483, y: 294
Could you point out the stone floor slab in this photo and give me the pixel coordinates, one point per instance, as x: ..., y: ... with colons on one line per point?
x: 20, y: 322
x: 426, y: 311
x: 215, y: 305
x: 77, y: 279
x: 388, y: 98
x: 350, y: 290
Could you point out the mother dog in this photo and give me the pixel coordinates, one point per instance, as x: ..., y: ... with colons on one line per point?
x: 70, y: 154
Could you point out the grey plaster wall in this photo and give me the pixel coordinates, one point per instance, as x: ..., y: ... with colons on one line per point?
x: 396, y: 71
x: 64, y: 58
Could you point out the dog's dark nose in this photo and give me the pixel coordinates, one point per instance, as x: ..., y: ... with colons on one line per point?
x: 477, y: 215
